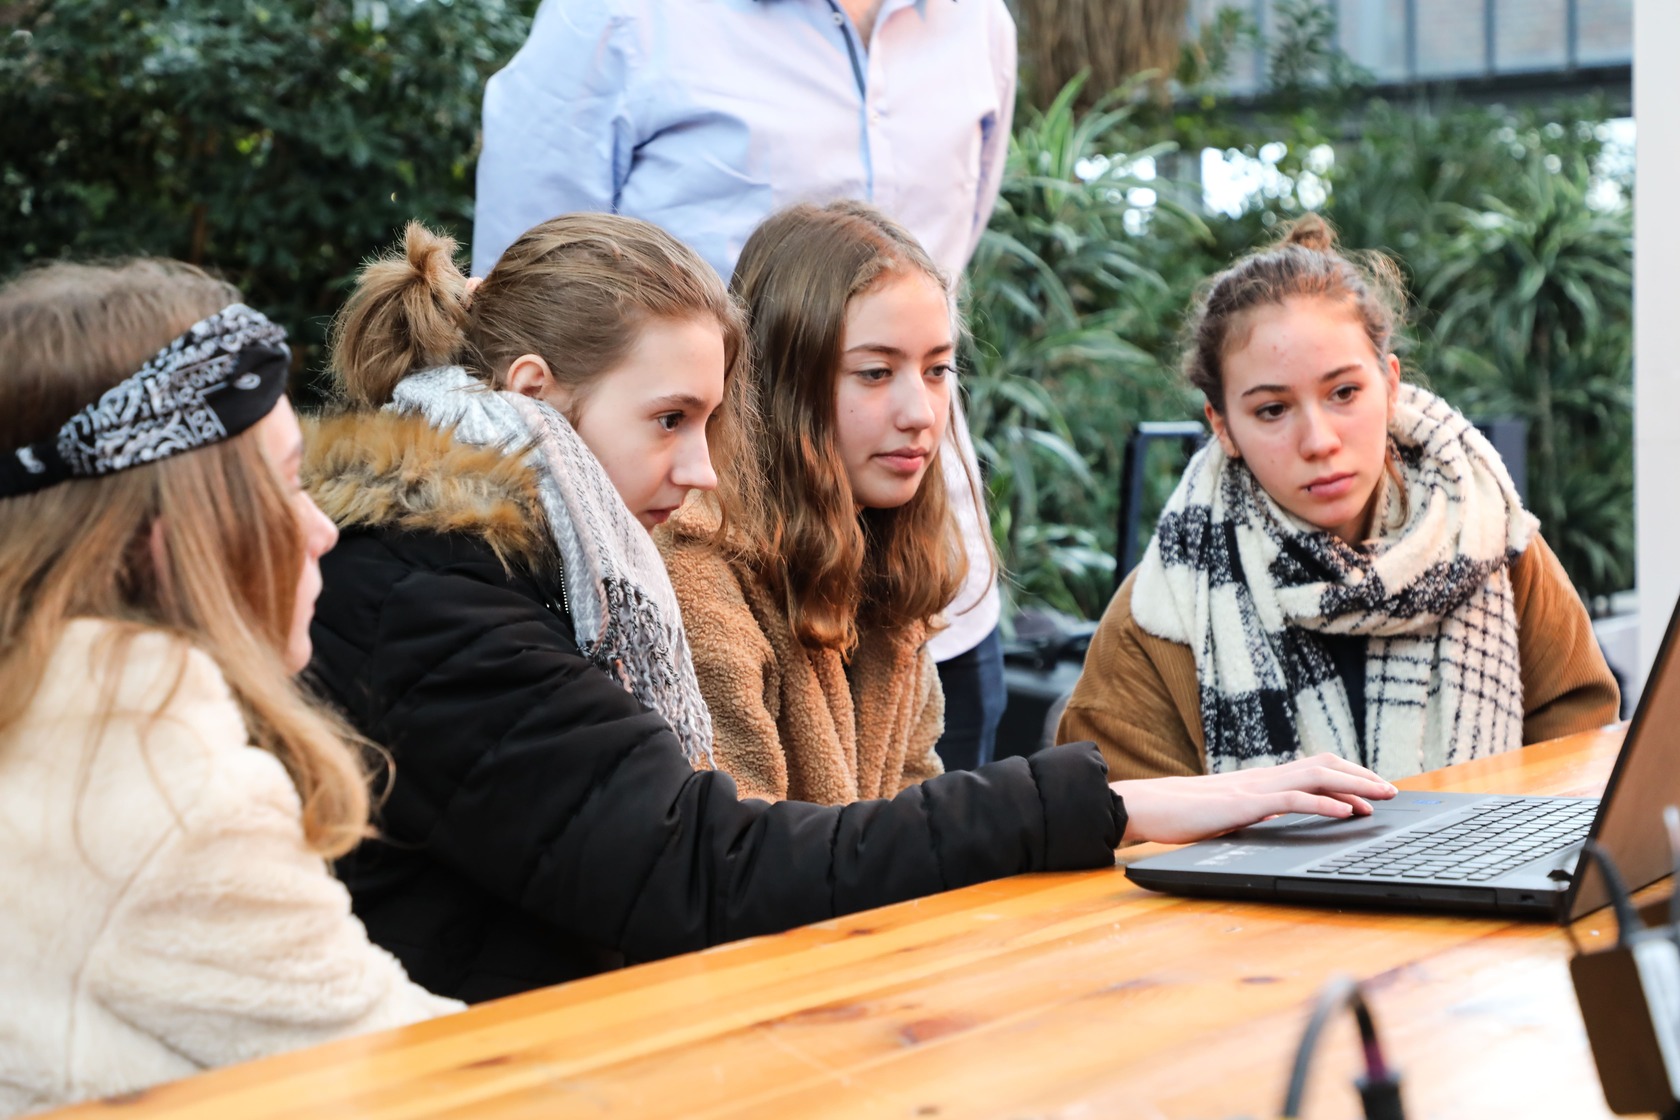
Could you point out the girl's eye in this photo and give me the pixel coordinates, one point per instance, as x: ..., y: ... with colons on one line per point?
x: 875, y: 373
x: 942, y: 371
x: 1269, y: 411
x: 1344, y: 393
x: 669, y: 420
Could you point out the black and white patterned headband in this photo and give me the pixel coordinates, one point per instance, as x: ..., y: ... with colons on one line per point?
x: 217, y: 379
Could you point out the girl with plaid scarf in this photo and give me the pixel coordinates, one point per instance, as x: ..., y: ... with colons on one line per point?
x: 1346, y: 567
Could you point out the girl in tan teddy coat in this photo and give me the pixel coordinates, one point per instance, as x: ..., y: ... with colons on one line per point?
x: 811, y: 584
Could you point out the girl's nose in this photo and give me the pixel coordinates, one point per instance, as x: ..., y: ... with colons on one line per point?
x: 319, y: 532
x: 1318, y: 436
x: 693, y: 467
x: 916, y: 407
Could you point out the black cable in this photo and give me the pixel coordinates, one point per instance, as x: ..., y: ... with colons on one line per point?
x: 1379, y: 1089
x: 1330, y: 999
x: 1621, y: 901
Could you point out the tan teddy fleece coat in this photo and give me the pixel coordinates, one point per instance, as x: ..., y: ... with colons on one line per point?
x: 792, y: 722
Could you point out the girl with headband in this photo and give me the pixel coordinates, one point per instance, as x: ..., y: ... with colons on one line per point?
x: 496, y: 615
x: 1345, y: 567
x: 166, y: 791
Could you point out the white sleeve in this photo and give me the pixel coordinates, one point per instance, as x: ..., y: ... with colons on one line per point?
x: 558, y: 135
x: 233, y: 941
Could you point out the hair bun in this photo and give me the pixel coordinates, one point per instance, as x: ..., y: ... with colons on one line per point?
x: 1310, y: 231
x: 407, y: 312
x: 431, y: 258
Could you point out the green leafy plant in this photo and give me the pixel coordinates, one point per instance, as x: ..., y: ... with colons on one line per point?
x: 283, y: 141
x: 278, y: 142
x: 1534, y: 302
x: 1067, y: 308
x: 1302, y: 57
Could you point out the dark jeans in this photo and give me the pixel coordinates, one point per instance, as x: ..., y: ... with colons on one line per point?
x: 974, y: 700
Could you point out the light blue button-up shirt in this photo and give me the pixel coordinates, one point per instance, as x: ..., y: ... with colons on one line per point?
x: 704, y: 116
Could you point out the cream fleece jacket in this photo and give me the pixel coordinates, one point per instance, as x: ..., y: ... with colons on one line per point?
x: 162, y: 913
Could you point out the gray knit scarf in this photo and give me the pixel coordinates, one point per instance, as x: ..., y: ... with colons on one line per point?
x: 1249, y: 587
x: 623, y: 610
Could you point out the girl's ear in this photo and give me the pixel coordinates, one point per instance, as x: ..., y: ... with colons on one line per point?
x: 1391, y: 374
x: 1220, y: 431
x: 530, y: 376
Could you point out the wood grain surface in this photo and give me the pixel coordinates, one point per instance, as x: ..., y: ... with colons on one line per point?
x: 1065, y: 995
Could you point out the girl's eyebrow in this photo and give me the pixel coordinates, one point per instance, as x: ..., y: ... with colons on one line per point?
x: 1339, y: 371
x: 678, y: 400
x: 895, y: 352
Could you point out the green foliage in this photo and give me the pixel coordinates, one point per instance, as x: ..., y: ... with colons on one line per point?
x: 1302, y: 59
x: 1069, y: 310
x: 1402, y: 177
x: 277, y: 141
x: 1533, y: 313
x: 283, y: 141
x: 1523, y: 285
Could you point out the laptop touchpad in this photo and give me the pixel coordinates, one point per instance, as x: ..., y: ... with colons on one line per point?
x: 1298, y: 828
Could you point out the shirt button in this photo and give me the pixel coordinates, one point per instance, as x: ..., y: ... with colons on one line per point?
x: 839, y: 20
x: 874, y: 117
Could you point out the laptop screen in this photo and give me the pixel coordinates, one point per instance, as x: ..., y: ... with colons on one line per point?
x: 1646, y: 779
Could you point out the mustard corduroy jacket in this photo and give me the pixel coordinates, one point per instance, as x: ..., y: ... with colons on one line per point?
x: 1138, y: 698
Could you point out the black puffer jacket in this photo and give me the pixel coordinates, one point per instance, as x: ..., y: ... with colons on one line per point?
x: 542, y: 824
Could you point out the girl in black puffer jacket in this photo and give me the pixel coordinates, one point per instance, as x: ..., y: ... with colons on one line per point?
x: 496, y: 618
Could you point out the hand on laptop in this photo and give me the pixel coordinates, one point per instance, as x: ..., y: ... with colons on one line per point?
x: 1179, y: 810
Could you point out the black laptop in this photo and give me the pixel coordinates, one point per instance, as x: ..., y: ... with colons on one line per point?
x: 1459, y: 851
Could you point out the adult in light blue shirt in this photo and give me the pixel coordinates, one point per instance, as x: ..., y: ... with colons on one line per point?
x: 704, y: 116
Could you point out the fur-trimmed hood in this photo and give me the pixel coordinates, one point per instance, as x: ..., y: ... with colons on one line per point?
x: 502, y: 471
x: 370, y: 469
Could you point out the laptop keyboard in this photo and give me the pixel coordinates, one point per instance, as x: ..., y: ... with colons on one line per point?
x: 1472, y: 848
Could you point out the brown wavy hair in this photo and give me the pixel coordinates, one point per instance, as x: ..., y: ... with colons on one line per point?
x: 1305, y: 263
x: 575, y: 291
x: 230, y: 546
x: 837, y: 568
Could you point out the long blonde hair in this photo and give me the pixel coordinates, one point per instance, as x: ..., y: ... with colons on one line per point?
x: 790, y: 505
x: 204, y: 544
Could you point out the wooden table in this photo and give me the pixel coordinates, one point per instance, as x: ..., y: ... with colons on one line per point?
x: 1067, y: 995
